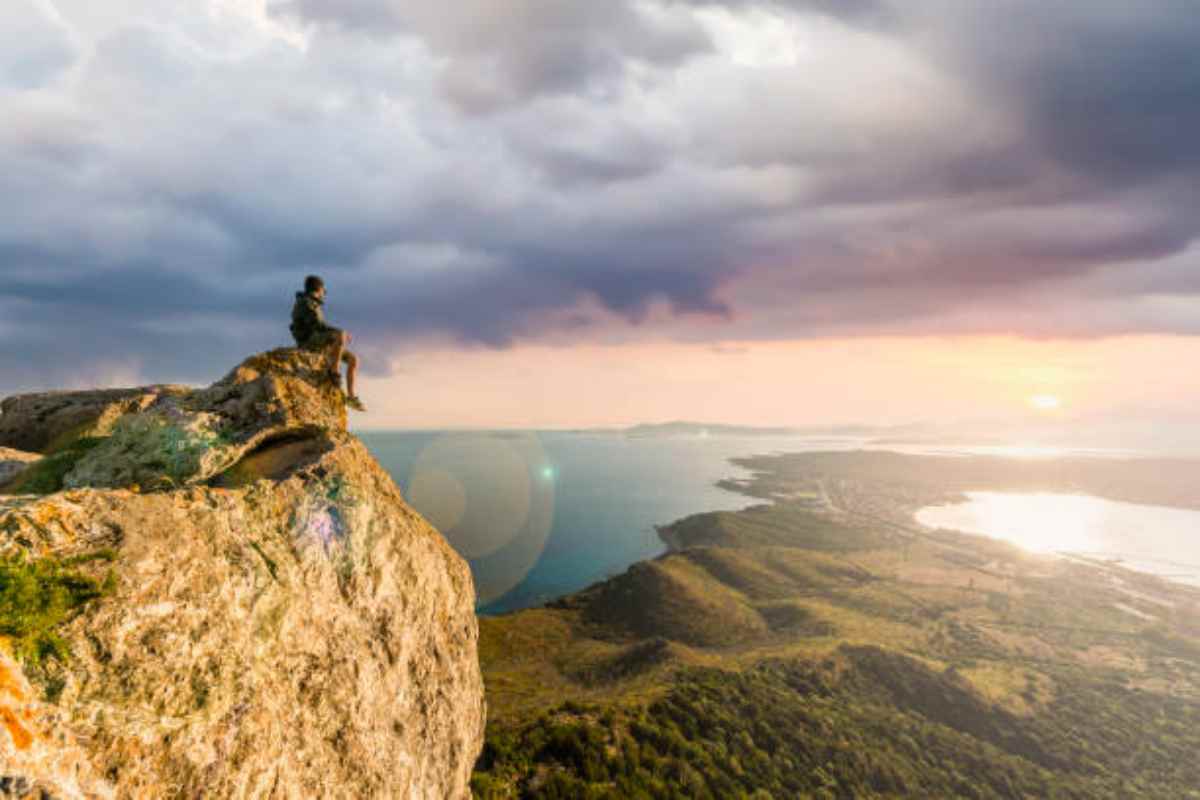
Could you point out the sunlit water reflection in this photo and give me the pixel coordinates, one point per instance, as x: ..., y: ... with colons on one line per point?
x: 1163, y: 541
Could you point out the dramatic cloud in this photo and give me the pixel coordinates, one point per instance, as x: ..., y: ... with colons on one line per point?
x: 503, y: 52
x: 489, y: 173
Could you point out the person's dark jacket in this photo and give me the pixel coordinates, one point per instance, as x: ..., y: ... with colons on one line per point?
x: 308, y: 320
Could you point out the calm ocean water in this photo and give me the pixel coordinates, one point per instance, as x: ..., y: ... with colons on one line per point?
x: 540, y: 515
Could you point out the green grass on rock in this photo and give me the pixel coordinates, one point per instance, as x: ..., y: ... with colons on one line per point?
x: 38, y: 595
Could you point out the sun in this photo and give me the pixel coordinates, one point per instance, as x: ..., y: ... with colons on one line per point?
x: 1045, y: 402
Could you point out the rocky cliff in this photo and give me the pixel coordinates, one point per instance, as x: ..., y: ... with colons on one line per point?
x: 219, y: 593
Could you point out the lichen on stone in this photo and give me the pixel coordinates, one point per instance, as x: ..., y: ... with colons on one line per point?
x: 155, y: 450
x: 38, y: 595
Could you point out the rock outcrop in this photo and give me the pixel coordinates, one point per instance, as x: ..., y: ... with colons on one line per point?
x: 14, y: 461
x: 274, y: 621
x: 40, y: 423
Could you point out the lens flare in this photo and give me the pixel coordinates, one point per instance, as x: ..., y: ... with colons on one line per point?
x: 492, y: 497
x: 439, y: 496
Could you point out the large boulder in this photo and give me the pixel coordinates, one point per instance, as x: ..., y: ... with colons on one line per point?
x: 280, y: 626
x: 45, y: 421
x: 188, y: 438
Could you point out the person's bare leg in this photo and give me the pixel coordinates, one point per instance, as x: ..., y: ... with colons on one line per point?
x: 336, y: 352
x: 351, y: 371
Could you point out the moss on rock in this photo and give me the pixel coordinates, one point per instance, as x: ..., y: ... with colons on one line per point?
x: 46, y: 475
x: 38, y: 595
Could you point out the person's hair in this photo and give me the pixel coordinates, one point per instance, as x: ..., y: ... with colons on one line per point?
x: 312, y: 283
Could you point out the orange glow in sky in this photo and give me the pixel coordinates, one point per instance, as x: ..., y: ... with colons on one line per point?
x: 879, y: 381
x: 1045, y: 402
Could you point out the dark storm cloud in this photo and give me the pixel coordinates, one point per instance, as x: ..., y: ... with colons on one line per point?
x: 1103, y: 100
x: 494, y: 303
x: 1108, y: 87
x: 1125, y: 103
x: 495, y: 172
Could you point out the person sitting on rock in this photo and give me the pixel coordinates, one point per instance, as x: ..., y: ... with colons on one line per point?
x: 311, y: 333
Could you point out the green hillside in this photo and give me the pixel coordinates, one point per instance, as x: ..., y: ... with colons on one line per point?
x: 825, y: 647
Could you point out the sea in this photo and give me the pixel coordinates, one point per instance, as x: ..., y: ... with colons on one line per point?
x: 539, y: 515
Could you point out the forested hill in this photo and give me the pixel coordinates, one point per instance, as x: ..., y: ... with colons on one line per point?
x: 807, y: 648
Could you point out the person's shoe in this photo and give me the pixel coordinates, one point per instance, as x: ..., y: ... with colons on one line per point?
x: 355, y: 403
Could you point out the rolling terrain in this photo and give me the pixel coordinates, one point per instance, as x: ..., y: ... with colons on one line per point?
x: 825, y: 646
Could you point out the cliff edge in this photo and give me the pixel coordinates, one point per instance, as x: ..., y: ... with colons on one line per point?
x: 220, y: 593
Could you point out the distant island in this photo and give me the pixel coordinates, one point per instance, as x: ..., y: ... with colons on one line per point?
x: 681, y: 428
x: 687, y: 428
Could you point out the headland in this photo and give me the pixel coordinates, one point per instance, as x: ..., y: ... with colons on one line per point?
x: 823, y: 644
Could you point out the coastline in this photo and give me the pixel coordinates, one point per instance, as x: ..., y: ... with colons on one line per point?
x: 805, y: 478
x: 1134, y: 481
x: 827, y: 589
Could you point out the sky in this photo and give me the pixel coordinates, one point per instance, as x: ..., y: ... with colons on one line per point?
x: 575, y: 213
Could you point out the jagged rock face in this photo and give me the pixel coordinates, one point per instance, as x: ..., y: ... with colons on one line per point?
x: 25, y: 752
x: 286, y: 628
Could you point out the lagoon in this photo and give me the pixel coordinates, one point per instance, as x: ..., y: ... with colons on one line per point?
x: 1156, y: 539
